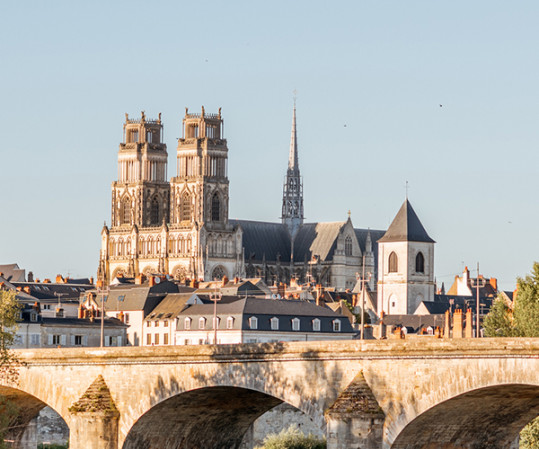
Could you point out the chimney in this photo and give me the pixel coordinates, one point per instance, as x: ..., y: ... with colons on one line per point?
x: 224, y: 281
x: 457, y: 324
x: 59, y: 279
x: 91, y: 280
x: 236, y: 280
x: 37, y: 307
x: 46, y: 281
x: 26, y: 289
x: 494, y: 283
x: 468, y: 330
x: 30, y: 276
x: 152, y: 281
x: 447, y: 324
x: 80, y: 313
x: 139, y: 279
x: 59, y: 312
x: 121, y: 316
x: 99, y: 284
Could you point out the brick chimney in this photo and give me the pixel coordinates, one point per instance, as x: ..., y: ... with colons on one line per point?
x: 224, y: 281
x: 139, y: 279
x: 457, y: 324
x: 468, y: 331
x: 494, y: 283
x: 152, y: 281
x: 59, y: 279
x: 447, y: 324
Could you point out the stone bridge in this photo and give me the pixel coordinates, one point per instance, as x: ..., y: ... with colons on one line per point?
x: 414, y: 393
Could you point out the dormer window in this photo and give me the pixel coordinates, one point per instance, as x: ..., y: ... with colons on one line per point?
x: 253, y: 322
x: 33, y: 317
x: 187, y: 324
x: 202, y: 323
x: 230, y: 322
x: 316, y: 325
x: 274, y: 323
x: 295, y: 324
x: 336, y: 325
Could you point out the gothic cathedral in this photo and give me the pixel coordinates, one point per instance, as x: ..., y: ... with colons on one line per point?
x: 181, y: 227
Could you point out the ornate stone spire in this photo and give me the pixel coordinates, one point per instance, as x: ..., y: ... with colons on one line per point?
x: 292, y: 214
x: 293, y: 164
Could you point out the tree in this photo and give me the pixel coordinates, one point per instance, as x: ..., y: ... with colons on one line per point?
x: 521, y: 321
x: 526, y: 307
x: 9, y: 316
x: 498, y: 322
x: 293, y: 438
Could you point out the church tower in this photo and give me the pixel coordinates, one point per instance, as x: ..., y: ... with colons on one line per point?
x: 140, y: 195
x: 405, y: 264
x: 292, y: 213
x: 200, y: 189
x: 203, y: 244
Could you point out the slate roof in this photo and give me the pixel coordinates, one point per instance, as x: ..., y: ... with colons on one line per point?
x: 267, y: 239
x: 264, y: 310
x: 12, y: 272
x: 43, y: 290
x: 415, y: 322
x: 406, y: 226
x: 80, y: 322
x: 317, y: 239
x: 171, y: 306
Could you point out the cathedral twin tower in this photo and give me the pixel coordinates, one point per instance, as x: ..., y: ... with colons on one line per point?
x: 180, y: 227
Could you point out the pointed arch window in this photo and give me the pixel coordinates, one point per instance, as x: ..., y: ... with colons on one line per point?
x: 125, y: 210
x: 154, y: 212
x: 419, y: 263
x: 348, y: 246
x: 393, y: 263
x: 185, y: 207
x: 215, y: 207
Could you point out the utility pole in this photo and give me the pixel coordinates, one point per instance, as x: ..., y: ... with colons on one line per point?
x: 216, y: 296
x: 363, y: 281
x: 478, y: 283
x: 102, y: 292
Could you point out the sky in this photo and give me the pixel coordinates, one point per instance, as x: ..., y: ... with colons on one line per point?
x: 440, y: 94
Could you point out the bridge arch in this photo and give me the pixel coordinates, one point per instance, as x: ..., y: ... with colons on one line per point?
x: 424, y: 386
x: 180, y: 404
x: 19, y: 409
x: 205, y: 418
x: 481, y: 418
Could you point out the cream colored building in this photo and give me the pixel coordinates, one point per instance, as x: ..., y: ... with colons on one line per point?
x: 405, y: 265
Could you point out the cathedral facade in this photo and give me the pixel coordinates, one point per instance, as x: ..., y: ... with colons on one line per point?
x: 181, y: 226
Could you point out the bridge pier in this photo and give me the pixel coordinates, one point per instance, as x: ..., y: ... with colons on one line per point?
x: 94, y: 419
x: 355, y: 420
x: 91, y: 430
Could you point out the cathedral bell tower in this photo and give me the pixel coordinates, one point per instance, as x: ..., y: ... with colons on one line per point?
x: 200, y: 189
x: 140, y: 195
x: 292, y: 213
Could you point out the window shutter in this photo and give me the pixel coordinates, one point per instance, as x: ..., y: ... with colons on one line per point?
x: 72, y: 340
x: 63, y: 339
x: 107, y: 340
x: 50, y: 339
x: 85, y: 340
x: 120, y: 341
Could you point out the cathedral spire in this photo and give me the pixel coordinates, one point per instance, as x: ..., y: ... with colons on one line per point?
x: 293, y: 164
x: 292, y: 212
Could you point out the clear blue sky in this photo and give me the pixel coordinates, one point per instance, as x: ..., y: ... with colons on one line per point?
x: 370, y: 75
